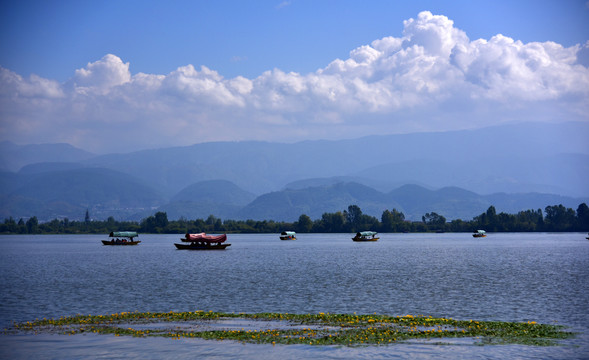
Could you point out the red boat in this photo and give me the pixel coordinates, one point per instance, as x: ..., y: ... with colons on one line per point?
x: 203, y: 241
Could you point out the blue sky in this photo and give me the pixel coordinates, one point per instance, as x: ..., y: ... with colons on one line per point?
x: 310, y: 69
x: 53, y: 38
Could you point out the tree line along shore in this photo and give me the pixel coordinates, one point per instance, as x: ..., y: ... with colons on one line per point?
x: 556, y: 218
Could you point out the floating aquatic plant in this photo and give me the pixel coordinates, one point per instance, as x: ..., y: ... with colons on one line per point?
x: 311, y: 329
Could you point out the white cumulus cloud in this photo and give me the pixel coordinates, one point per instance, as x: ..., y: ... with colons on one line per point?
x: 432, y: 77
x: 102, y: 75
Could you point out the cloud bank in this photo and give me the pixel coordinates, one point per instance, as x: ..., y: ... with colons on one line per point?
x: 432, y: 78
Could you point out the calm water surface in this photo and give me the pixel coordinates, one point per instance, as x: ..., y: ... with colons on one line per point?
x: 510, y: 277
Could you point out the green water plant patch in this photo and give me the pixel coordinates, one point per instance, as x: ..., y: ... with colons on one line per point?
x: 310, y: 329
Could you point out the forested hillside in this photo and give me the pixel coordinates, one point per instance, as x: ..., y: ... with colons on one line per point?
x: 555, y: 218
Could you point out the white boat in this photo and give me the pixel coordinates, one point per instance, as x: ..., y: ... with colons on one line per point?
x: 365, y: 236
x: 288, y: 235
x: 122, y: 238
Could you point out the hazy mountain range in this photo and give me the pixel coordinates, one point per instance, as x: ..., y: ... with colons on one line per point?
x: 456, y: 174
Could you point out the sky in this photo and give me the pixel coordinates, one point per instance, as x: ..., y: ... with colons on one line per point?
x: 118, y: 76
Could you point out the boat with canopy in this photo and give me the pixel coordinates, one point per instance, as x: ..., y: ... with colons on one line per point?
x: 122, y: 238
x: 365, y: 236
x: 479, y: 233
x: 202, y: 241
x: 288, y: 235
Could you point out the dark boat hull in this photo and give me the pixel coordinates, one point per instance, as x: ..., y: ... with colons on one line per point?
x: 108, y: 242
x: 201, y: 246
x: 361, y: 240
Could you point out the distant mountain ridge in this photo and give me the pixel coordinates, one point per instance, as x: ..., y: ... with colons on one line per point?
x: 129, y: 200
x: 289, y: 204
x: 413, y: 200
x: 69, y: 193
x: 212, y: 197
x: 13, y: 156
x: 516, y: 163
x: 509, y: 158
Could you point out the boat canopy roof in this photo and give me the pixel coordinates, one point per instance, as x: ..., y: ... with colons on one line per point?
x: 480, y: 231
x: 205, y: 238
x: 366, y: 233
x: 286, y: 233
x: 129, y: 234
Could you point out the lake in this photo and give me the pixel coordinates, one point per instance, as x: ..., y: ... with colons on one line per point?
x: 541, y: 277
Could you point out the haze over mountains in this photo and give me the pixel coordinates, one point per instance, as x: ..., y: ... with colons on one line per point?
x: 456, y: 174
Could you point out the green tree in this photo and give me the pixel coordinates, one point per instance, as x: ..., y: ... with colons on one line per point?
x: 487, y: 220
x: 353, y: 214
x: 22, y: 227
x: 583, y: 217
x: 304, y: 224
x: 528, y: 220
x: 161, y: 219
x: 491, y: 219
x: 156, y: 223
x: 32, y: 225
x: 333, y: 222
x: 434, y: 221
x: 10, y: 226
x: 559, y: 218
x: 458, y: 225
x: 392, y: 221
x: 211, y: 220
x: 353, y: 217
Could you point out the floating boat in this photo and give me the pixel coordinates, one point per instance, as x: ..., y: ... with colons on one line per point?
x: 288, y: 235
x: 203, y: 241
x: 122, y: 238
x: 365, y: 236
x: 479, y: 233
